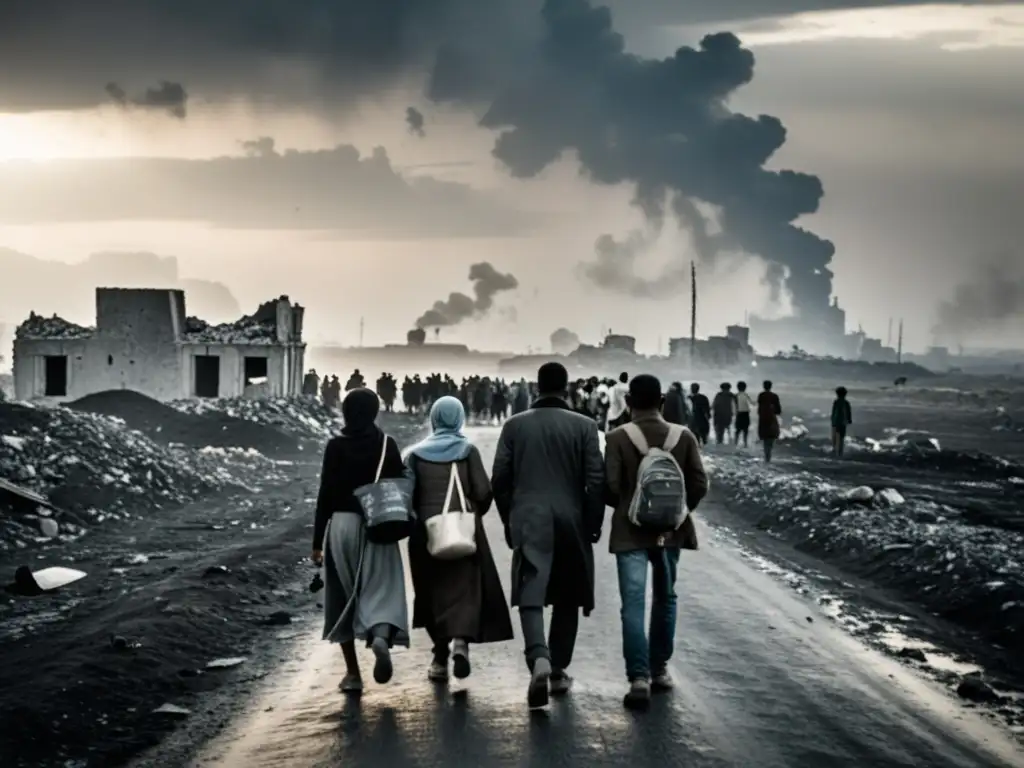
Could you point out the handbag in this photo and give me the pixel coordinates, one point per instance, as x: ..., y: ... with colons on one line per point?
x: 451, y: 535
x: 386, y: 505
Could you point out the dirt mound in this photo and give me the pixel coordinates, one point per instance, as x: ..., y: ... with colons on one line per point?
x: 304, y: 417
x: 94, y: 468
x: 935, y: 549
x: 167, y: 424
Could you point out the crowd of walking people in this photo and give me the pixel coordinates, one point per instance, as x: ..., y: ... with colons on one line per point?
x: 728, y: 417
x: 550, y: 485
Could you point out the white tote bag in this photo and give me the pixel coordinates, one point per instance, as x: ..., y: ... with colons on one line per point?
x: 451, y: 535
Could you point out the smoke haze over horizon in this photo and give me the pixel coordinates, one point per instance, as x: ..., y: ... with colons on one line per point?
x: 660, y: 133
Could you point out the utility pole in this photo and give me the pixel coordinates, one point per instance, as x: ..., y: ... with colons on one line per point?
x: 888, y: 339
x: 693, y: 309
x: 362, y: 327
x: 899, y: 344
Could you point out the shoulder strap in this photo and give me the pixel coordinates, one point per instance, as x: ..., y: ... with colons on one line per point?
x: 636, y: 437
x: 454, y: 484
x: 380, y: 464
x: 675, y: 432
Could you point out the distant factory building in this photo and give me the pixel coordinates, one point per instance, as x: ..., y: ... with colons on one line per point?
x: 144, y: 341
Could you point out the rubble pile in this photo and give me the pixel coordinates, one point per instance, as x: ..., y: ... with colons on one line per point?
x: 56, y: 328
x: 188, y: 426
x: 244, y: 331
x: 300, y: 416
x: 258, y: 328
x: 93, y: 468
x: 915, y: 450
x: 933, y: 552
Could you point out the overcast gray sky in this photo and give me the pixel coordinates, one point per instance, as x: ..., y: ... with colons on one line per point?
x: 269, y: 152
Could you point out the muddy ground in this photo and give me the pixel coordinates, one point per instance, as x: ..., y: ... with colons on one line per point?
x: 83, y: 670
x: 970, y: 492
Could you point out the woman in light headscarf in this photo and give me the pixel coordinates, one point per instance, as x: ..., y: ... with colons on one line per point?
x: 460, y: 601
x: 374, y: 610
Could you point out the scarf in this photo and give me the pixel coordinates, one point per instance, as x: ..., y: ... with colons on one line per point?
x: 359, y: 409
x: 446, y: 442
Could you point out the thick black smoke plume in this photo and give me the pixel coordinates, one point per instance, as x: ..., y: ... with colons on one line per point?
x: 169, y: 97
x: 487, y: 283
x: 664, y: 126
x: 416, y: 122
x: 564, y: 341
x: 986, y: 304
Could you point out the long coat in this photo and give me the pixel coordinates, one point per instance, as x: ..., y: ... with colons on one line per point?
x: 675, y: 410
x: 548, y: 482
x: 455, y: 598
x: 769, y: 408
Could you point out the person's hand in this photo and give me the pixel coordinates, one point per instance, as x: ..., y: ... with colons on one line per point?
x: 317, y: 557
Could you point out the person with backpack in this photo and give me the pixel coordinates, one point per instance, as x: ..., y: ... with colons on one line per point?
x: 655, y: 478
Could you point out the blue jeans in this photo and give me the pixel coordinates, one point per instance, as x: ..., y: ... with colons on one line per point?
x: 647, y: 655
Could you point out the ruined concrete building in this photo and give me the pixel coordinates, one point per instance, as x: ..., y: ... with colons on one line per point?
x: 144, y: 341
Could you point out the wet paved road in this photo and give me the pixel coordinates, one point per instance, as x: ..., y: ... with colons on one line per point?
x: 758, y: 685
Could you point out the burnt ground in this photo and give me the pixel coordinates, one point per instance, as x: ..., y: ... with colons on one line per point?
x: 84, y: 669
x: 165, y: 424
x: 961, y: 500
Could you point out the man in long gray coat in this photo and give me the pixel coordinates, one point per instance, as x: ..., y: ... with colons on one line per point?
x: 548, y: 483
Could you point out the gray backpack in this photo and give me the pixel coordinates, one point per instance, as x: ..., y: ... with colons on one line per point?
x: 659, y: 500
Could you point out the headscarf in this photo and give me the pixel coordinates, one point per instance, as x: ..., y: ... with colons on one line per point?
x: 359, y: 409
x: 446, y: 442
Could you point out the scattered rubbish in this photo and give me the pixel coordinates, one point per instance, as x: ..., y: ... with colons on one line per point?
x: 891, y: 497
x: 862, y: 494
x: 172, y: 710
x: 227, y: 663
x: 29, y: 583
x: 973, y: 688
x: 914, y: 654
x: 279, y: 619
x: 120, y: 643
x: 217, y: 570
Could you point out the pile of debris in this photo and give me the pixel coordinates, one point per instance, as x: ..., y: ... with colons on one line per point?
x: 56, y: 327
x: 300, y: 416
x: 257, y: 328
x: 934, y: 552
x: 185, y: 426
x: 91, y: 468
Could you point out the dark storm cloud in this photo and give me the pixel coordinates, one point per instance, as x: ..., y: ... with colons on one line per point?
x: 167, y: 97
x: 487, y: 283
x: 986, y: 304
x: 31, y: 284
x: 333, y: 189
x: 551, y: 83
x: 663, y: 126
x: 64, y: 51
x: 416, y: 122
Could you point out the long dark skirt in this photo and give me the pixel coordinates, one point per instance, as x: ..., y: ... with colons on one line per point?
x: 458, y: 598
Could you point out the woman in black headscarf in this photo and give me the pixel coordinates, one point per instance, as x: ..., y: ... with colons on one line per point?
x: 374, y: 609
